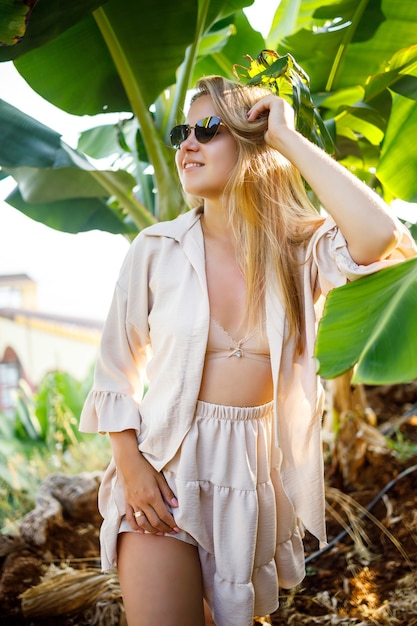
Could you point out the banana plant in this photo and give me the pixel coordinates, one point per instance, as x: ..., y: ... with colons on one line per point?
x: 140, y: 59
x: 132, y: 57
x: 370, y: 325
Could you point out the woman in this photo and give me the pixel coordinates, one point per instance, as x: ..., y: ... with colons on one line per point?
x: 217, y: 468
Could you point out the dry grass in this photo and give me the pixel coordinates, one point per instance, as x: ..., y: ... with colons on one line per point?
x: 67, y: 590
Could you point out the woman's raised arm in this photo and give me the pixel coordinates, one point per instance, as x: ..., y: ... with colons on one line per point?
x: 371, y: 231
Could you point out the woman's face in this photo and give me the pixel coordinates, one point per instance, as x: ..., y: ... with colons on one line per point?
x: 204, y: 168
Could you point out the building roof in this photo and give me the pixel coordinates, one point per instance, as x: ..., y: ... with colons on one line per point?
x: 65, y: 320
x: 9, y: 279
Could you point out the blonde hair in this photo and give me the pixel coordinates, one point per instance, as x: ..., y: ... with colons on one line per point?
x: 269, y: 209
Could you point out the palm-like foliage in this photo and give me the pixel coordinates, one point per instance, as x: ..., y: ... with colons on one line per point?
x: 140, y: 58
x: 123, y: 57
x: 41, y: 438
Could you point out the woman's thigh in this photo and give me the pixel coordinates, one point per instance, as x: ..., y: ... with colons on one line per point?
x: 160, y: 579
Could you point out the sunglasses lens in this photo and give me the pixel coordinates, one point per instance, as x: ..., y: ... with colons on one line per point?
x: 204, y: 130
x: 179, y: 134
x: 207, y: 128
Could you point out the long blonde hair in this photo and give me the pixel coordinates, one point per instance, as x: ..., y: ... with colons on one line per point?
x: 269, y: 209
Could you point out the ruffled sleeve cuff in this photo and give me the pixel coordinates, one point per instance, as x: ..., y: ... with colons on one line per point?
x: 107, y: 411
x: 336, y: 266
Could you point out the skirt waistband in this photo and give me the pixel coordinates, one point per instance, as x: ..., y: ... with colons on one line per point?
x: 224, y: 412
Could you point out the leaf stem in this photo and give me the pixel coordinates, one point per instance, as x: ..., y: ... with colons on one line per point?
x: 169, y: 197
x: 187, y: 67
x: 342, y: 50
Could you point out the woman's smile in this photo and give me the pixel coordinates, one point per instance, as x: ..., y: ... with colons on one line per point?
x: 214, y: 160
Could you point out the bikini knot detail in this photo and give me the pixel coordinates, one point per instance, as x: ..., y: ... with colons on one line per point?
x: 222, y: 345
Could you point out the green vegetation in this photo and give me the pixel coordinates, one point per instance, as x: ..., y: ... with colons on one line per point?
x: 404, y: 448
x: 120, y: 56
x: 43, y: 438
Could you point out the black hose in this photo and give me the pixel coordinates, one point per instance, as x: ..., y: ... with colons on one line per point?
x: 378, y: 497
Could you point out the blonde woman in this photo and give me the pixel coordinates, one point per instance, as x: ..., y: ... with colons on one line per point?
x: 217, y: 468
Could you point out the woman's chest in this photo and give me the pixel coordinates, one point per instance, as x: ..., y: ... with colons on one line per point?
x: 226, y: 289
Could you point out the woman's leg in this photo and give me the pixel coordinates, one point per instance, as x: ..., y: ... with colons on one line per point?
x: 160, y: 579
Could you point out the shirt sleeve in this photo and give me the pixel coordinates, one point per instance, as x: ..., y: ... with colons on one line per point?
x: 334, y: 264
x: 113, y: 403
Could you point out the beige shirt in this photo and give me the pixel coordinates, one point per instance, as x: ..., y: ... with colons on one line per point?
x: 157, y: 330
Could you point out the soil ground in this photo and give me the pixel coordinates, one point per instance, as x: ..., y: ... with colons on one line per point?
x: 366, y: 577
x: 375, y: 583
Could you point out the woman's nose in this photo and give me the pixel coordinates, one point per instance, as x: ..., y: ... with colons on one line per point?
x: 191, y: 142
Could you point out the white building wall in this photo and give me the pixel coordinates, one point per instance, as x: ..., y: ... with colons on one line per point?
x: 45, y: 346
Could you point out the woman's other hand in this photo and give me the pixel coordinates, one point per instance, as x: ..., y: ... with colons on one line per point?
x: 146, y: 491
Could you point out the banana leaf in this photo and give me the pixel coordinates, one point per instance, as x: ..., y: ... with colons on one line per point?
x: 58, y: 186
x: 370, y: 324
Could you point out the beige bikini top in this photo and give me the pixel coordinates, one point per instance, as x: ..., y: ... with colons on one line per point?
x: 222, y: 345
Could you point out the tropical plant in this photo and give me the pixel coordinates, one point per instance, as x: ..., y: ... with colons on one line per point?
x: 124, y: 58
x: 48, y: 417
x: 106, y: 56
x: 141, y: 58
x: 373, y: 319
x: 43, y: 437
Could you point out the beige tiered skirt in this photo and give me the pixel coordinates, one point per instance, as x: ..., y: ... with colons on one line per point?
x: 233, y: 507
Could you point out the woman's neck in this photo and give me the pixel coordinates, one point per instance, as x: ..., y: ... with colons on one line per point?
x: 215, y: 223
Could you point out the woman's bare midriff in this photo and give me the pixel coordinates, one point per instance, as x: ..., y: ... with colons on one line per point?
x: 230, y: 380
x: 236, y: 381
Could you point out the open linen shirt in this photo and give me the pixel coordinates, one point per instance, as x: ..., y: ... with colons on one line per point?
x: 161, y: 302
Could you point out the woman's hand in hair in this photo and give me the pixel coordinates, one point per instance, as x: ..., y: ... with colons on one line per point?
x: 356, y: 209
x: 281, y: 120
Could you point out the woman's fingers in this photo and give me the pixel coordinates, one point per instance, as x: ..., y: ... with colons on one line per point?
x: 149, y: 506
x: 280, y: 115
x: 166, y: 491
x: 158, y: 520
x: 260, y: 107
x: 151, y: 521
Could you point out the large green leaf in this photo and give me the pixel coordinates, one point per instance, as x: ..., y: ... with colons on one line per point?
x: 62, y: 183
x: 76, y: 71
x: 27, y: 25
x: 242, y: 40
x: 103, y: 141
x: 14, y: 17
x: 352, y: 40
x: 292, y: 16
x: 397, y: 166
x: 367, y: 120
x: 25, y: 141
x: 74, y: 215
x: 399, y: 75
x: 371, y: 323
x: 216, y: 10
x: 57, y: 183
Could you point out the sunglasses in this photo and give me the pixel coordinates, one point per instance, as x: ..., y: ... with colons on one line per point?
x: 205, y: 130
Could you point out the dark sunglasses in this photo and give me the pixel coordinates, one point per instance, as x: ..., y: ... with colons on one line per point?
x: 204, y: 130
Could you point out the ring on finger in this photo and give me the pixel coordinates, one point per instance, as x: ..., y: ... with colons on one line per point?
x: 138, y: 514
